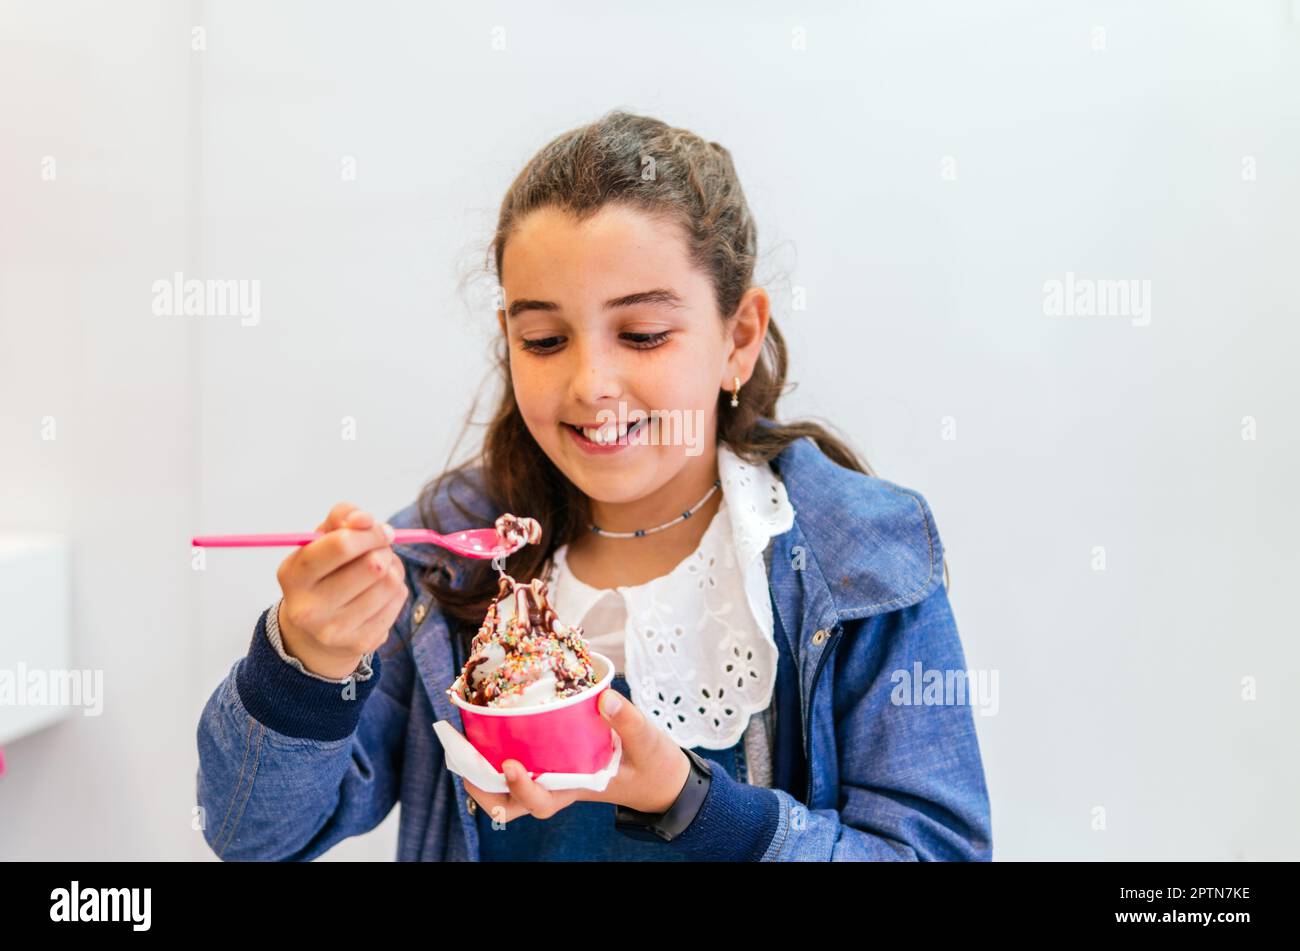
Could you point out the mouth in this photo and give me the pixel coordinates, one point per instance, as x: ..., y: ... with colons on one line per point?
x: 598, y: 437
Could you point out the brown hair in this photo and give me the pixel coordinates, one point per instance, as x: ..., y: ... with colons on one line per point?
x: 693, y: 183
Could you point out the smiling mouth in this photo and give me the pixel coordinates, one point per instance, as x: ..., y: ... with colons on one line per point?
x: 607, y: 436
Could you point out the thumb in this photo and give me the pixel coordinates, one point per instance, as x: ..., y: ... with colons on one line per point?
x: 623, y: 716
x: 609, y: 703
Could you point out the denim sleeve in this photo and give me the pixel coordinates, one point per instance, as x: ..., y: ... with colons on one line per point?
x: 291, y: 764
x: 911, y: 780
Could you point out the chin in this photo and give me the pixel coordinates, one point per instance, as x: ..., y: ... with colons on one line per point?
x: 611, y: 486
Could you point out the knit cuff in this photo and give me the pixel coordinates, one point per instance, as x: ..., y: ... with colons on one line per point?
x: 363, y: 671
x: 736, y: 822
x: 296, y: 704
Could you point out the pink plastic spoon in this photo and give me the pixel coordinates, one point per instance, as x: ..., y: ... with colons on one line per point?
x: 473, y: 543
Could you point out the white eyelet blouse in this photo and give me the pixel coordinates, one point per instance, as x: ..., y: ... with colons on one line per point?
x: 696, y: 645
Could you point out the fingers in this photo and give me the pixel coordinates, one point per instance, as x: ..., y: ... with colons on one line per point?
x: 525, y: 796
x: 343, y: 585
x: 487, y: 801
x: 497, y: 805
x: 391, y: 595
x: 340, y: 546
x: 537, y: 800
x: 377, y: 595
x: 358, y: 520
x: 336, y: 517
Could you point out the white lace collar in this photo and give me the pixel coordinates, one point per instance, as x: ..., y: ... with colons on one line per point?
x: 700, y: 652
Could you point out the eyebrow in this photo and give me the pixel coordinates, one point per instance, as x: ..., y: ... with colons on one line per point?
x: 660, y: 295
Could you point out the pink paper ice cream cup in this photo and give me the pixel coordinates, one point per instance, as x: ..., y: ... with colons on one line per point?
x: 563, y: 736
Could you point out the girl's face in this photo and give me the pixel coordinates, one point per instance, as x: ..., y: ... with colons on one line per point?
x: 607, y: 312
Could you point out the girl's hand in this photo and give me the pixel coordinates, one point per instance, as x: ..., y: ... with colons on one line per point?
x: 651, y: 772
x: 342, y: 593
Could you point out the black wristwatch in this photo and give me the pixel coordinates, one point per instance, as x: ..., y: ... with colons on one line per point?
x: 666, y: 826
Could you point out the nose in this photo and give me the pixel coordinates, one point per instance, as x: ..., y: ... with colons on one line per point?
x: 595, y: 376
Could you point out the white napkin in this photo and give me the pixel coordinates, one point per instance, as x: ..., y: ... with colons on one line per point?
x: 469, y: 763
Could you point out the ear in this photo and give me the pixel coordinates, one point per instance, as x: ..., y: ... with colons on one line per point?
x: 501, y: 319
x: 746, y: 333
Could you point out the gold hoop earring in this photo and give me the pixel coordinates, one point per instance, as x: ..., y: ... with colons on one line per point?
x: 735, y: 391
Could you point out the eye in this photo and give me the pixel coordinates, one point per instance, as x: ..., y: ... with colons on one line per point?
x: 639, y: 341
x: 647, y: 341
x: 541, y: 344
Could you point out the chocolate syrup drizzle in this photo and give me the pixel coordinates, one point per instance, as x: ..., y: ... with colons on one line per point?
x: 530, y: 603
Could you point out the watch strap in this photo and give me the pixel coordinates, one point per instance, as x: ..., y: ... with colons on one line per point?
x: 666, y: 826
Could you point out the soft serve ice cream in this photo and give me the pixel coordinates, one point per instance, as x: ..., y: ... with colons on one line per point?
x: 523, y: 655
x: 519, y: 531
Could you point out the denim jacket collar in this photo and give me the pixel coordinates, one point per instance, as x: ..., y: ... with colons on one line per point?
x: 872, y: 543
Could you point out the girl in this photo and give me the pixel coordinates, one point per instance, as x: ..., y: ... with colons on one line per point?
x: 761, y: 593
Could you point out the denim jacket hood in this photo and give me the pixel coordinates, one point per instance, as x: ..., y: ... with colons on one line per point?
x: 861, y: 566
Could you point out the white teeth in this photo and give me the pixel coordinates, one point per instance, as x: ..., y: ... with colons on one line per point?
x: 605, y: 437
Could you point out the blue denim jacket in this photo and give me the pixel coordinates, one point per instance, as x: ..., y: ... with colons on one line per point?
x: 289, y: 764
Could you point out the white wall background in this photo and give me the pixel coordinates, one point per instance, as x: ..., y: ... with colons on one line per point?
x: 1119, y: 689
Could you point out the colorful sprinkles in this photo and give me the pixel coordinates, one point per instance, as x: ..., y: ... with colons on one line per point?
x: 532, y: 643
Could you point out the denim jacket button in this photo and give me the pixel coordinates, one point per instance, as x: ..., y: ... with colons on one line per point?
x: 820, y: 636
x: 418, y: 616
x: 471, y: 804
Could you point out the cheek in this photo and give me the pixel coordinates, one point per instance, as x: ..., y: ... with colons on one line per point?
x: 536, y: 394
x: 686, y: 385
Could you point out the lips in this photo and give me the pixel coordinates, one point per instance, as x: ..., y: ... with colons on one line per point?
x: 606, y: 435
